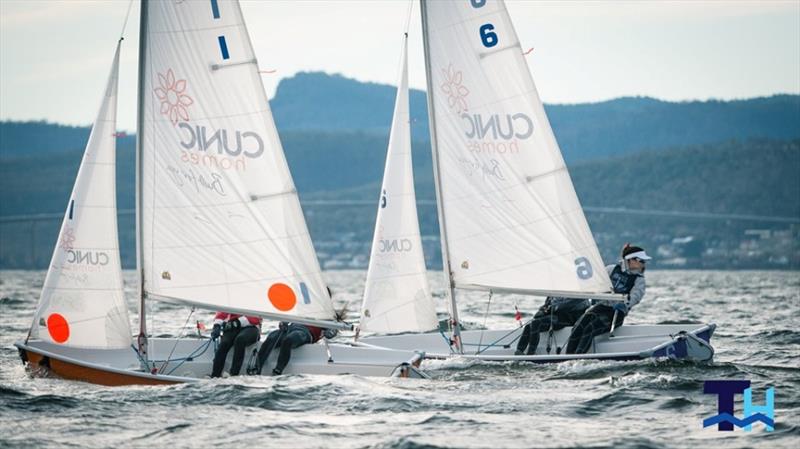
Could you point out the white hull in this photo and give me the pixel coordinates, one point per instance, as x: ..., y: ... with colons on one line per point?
x: 677, y: 341
x: 191, y: 359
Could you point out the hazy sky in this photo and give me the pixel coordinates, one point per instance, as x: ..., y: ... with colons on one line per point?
x: 55, y: 55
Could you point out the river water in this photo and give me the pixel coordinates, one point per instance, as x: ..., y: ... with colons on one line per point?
x: 465, y: 404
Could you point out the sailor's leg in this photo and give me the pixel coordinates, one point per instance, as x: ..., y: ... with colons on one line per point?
x: 292, y: 340
x: 538, y: 325
x: 600, y: 323
x: 246, y: 337
x: 524, y: 338
x: 579, y: 330
x: 225, y: 343
x: 267, y: 347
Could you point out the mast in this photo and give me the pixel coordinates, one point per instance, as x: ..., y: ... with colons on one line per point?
x: 142, y: 338
x: 437, y: 183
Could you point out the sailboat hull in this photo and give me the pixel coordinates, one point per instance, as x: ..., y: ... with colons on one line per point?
x: 629, y: 342
x: 187, y: 360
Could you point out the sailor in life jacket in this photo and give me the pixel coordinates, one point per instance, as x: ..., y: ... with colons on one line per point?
x: 555, y: 314
x: 289, y: 336
x: 627, y: 277
x: 238, y: 331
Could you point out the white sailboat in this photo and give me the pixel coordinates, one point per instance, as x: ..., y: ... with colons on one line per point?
x: 509, y: 217
x: 219, y: 224
x: 397, y: 297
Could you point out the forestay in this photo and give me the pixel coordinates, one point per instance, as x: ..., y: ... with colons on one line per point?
x: 397, y: 297
x: 221, y: 221
x: 82, y: 302
x: 513, y: 219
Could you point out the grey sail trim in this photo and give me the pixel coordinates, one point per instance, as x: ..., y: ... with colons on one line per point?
x: 232, y: 64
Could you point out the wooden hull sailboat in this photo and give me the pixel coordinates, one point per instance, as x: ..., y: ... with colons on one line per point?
x: 189, y: 360
x: 219, y: 224
x: 509, y: 218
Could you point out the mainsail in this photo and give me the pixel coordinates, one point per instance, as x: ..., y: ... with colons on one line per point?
x: 511, y: 218
x: 221, y: 224
x: 82, y: 302
x: 396, y: 296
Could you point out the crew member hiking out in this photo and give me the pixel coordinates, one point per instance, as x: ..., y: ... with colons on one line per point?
x: 238, y: 331
x: 288, y: 337
x: 627, y: 277
x: 555, y: 314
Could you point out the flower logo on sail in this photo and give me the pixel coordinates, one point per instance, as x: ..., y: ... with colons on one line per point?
x: 174, y: 100
x: 455, y: 91
x: 67, y: 239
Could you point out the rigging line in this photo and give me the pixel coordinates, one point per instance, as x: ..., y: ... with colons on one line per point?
x: 125, y: 23
x: 177, y: 340
x: 483, y: 327
x: 408, y: 16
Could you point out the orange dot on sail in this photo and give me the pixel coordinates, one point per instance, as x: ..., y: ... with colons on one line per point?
x: 282, y: 297
x: 58, y: 328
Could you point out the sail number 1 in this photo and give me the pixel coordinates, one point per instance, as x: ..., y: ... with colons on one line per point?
x: 488, y: 36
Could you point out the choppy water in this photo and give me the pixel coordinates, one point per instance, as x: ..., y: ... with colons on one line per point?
x: 469, y: 405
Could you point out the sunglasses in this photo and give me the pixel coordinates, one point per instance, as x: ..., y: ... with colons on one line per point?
x: 639, y: 260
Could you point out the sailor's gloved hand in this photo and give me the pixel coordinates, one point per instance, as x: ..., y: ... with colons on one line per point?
x: 215, y: 331
x: 621, y: 307
x: 230, y: 325
x: 283, y: 326
x: 330, y: 333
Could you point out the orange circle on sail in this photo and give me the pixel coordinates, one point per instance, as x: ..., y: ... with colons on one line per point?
x: 58, y: 328
x: 282, y: 297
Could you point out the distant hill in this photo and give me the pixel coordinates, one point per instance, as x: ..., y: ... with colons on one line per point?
x: 321, y: 103
x: 318, y: 101
x: 757, y: 177
x: 734, y: 157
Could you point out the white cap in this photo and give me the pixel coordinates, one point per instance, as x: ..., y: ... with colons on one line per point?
x: 638, y: 255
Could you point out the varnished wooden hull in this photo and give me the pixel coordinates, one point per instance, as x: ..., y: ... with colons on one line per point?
x: 40, y: 365
x: 188, y: 360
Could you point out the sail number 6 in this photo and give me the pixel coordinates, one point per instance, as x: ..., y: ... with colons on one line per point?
x: 488, y: 37
x: 584, y: 268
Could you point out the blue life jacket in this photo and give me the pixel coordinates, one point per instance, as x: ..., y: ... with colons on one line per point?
x: 622, y: 281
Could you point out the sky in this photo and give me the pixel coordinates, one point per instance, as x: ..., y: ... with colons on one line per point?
x: 55, y: 54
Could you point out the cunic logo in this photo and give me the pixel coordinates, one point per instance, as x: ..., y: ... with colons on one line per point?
x: 726, y: 390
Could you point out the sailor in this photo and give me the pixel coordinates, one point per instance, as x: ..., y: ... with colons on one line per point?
x: 627, y: 277
x: 238, y: 331
x: 556, y: 313
x: 288, y: 337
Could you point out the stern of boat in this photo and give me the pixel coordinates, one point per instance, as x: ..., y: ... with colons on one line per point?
x: 694, y: 346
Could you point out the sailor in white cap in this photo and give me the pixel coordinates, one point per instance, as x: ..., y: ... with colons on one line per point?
x: 627, y: 277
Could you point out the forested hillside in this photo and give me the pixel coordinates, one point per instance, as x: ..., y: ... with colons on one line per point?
x: 735, y: 157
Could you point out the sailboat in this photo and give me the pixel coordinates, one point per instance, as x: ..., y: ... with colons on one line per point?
x: 219, y: 224
x: 397, y: 297
x: 510, y: 220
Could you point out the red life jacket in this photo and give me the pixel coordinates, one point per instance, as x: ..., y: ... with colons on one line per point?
x: 254, y: 320
x: 316, y: 333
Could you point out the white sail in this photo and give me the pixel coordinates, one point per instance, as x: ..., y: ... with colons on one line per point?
x: 220, y: 218
x: 396, y: 296
x: 82, y: 302
x: 512, y: 218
